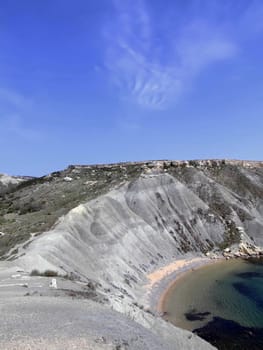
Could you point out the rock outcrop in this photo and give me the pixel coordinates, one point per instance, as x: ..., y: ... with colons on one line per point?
x: 137, y: 217
x: 7, y: 182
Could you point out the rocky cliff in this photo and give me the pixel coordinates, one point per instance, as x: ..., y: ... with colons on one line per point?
x: 111, y: 225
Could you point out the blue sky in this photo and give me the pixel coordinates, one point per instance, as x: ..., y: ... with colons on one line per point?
x: 115, y: 80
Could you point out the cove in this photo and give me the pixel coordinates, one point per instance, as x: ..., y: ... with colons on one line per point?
x: 222, y: 303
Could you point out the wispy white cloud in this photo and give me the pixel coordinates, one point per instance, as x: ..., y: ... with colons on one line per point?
x: 14, y: 99
x: 200, y: 44
x: 14, y: 126
x: 153, y: 75
x: 13, y: 111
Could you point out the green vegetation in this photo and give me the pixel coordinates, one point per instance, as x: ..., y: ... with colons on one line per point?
x: 231, y: 236
x: 51, y: 273
x: 8, y: 241
x: 36, y: 204
x: 47, y: 273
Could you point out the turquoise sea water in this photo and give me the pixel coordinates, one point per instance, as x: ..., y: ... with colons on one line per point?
x: 222, y: 302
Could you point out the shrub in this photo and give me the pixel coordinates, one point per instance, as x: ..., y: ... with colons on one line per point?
x: 47, y: 273
x: 35, y: 273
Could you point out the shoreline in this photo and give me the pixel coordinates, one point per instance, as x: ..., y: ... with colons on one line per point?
x: 162, y: 280
x: 181, y: 274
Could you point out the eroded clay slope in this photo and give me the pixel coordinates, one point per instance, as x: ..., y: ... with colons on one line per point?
x: 160, y: 212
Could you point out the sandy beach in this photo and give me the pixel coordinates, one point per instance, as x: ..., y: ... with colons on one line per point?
x: 161, y: 280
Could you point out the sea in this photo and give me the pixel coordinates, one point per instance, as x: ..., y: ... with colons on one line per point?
x: 221, y: 302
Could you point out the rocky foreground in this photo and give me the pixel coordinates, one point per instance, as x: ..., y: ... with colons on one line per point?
x: 100, y: 231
